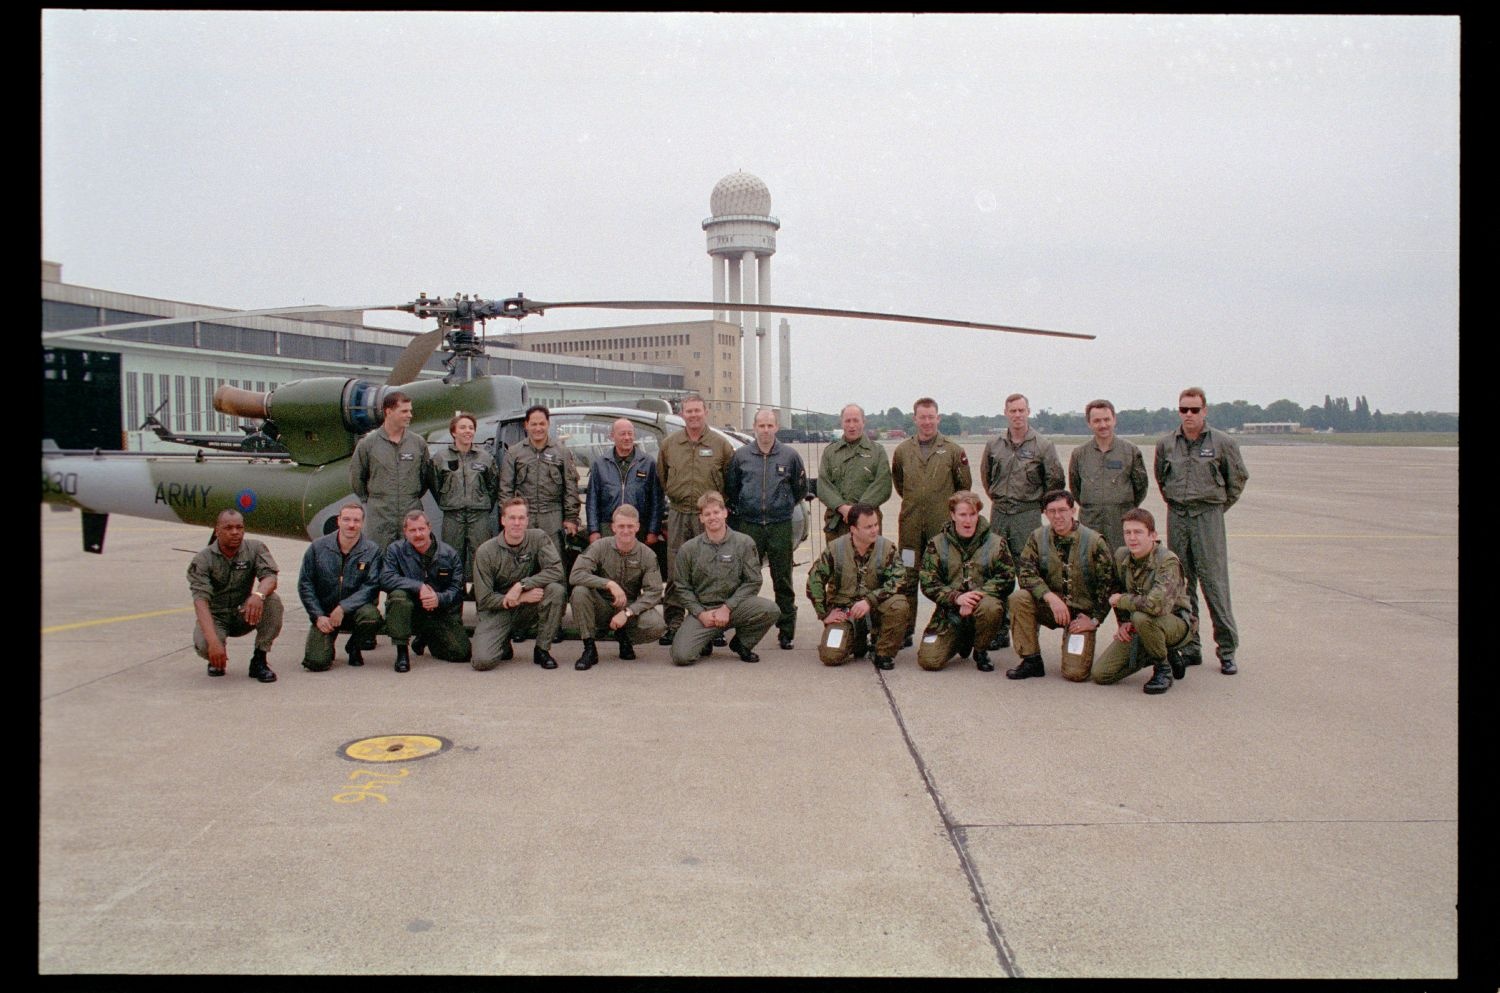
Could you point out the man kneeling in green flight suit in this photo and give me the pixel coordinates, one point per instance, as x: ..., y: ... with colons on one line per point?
x: 1154, y: 613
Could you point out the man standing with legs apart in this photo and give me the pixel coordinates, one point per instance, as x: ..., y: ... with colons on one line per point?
x: 857, y: 588
x: 542, y: 472
x: 926, y: 470
x: 1018, y: 467
x: 233, y: 582
x: 853, y: 470
x: 1107, y: 475
x: 690, y: 462
x: 719, y: 573
x: 339, y: 584
x: 1201, y: 475
x: 764, y: 484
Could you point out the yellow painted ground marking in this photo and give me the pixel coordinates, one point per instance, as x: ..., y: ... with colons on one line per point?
x: 394, y: 748
x: 114, y: 620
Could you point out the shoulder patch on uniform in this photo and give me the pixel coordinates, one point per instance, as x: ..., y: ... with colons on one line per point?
x: 963, y: 458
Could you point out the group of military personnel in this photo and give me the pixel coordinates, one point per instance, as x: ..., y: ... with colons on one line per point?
x: 718, y: 511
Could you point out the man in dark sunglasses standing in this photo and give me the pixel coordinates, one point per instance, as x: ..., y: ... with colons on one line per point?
x: 1201, y: 475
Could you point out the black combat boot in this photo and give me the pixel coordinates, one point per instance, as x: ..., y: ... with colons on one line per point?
x: 590, y: 656
x: 403, y: 660
x: 1031, y: 665
x: 666, y: 639
x: 884, y: 662
x: 784, y: 641
x: 1161, y: 679
x: 738, y: 647
x: 1000, y: 640
x: 356, y: 654
x: 418, y: 644
x: 982, y: 660
x: 506, y: 651
x: 627, y: 650
x: 718, y: 641
x: 1227, y: 666
x: 543, y: 658
x: 258, y: 668
x: 1176, y: 664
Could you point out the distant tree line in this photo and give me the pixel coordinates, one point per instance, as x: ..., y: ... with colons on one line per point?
x: 1335, y: 413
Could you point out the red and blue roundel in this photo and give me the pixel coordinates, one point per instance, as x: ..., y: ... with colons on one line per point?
x: 245, y: 501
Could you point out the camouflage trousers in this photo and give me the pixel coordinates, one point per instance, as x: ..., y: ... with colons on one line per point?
x: 885, y: 625
x: 947, y: 633
x: 233, y: 625
x: 317, y: 654
x: 1156, y: 635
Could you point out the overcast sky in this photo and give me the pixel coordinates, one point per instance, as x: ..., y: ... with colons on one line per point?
x: 1263, y: 206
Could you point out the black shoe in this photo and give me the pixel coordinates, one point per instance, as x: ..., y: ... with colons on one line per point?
x: 907, y: 642
x: 860, y: 650
x: 708, y: 650
x: 982, y: 660
x: 589, y: 658
x: 784, y: 642
x: 666, y: 639
x: 999, y: 641
x: 543, y: 658
x: 356, y: 655
x: 965, y: 644
x: 1175, y: 663
x: 1227, y: 666
x: 258, y: 668
x: 418, y: 644
x: 1160, y: 681
x: 738, y: 647
x: 882, y: 662
x: 214, y: 670
x: 403, y: 661
x: 518, y: 638
x: 1030, y: 666
x: 506, y: 651
x: 1192, y: 658
x: 718, y: 641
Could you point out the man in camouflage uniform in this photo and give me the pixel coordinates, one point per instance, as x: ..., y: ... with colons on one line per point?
x: 719, y: 577
x: 967, y: 571
x: 1067, y: 573
x: 1153, y: 611
x: 926, y: 470
x: 1106, y: 474
x: 853, y: 470
x: 1201, y: 475
x: 857, y: 589
x: 690, y: 462
x: 518, y: 579
x: 616, y: 589
x: 390, y: 471
x: 542, y: 472
x: 423, y: 579
x: 233, y: 582
x: 1017, y: 468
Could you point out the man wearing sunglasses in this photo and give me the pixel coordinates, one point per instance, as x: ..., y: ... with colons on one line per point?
x: 1201, y: 475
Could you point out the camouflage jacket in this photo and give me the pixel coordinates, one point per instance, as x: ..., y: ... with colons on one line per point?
x: 1057, y: 565
x: 1153, y: 584
x: 952, y: 565
x: 840, y: 576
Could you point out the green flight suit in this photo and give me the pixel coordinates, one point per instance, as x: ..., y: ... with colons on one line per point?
x: 1200, y: 480
x: 534, y: 563
x: 389, y: 479
x: 1016, y: 477
x: 225, y: 584
x: 718, y: 574
x: 547, y: 479
x: 850, y: 473
x: 466, y: 486
x: 687, y: 469
x: 636, y: 573
x: 925, y: 477
x: 1107, y: 484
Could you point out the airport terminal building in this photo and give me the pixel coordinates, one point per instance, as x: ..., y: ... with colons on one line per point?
x: 99, y: 388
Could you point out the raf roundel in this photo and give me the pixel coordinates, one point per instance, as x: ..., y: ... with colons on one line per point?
x: 245, y: 501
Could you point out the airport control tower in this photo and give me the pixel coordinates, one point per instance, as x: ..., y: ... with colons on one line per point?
x: 741, y: 240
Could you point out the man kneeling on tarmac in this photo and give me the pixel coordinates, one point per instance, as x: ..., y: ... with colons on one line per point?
x: 339, y: 584
x: 1154, y: 612
x: 616, y: 589
x: 967, y: 572
x: 858, y: 589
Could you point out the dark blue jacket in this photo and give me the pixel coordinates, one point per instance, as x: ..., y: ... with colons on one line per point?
x: 330, y: 579
x: 403, y: 568
x: 764, y: 488
x: 639, y: 486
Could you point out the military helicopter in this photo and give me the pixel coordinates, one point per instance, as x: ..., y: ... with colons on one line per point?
x: 296, y: 492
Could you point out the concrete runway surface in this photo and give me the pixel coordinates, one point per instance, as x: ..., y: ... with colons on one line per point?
x: 1298, y: 819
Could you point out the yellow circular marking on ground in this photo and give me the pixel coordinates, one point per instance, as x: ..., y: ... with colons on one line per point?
x: 394, y: 748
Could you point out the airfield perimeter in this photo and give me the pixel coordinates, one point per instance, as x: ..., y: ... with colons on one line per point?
x: 1296, y: 820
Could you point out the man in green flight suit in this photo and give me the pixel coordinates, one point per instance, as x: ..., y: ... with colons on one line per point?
x: 853, y: 470
x: 1201, y: 475
x: 1107, y: 474
x: 926, y: 470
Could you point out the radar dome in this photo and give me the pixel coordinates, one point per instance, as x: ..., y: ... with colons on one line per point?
x: 740, y: 193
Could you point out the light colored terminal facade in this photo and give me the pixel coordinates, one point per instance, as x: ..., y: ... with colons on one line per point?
x: 183, y: 364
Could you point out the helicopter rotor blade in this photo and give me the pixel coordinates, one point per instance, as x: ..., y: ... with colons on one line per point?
x: 537, y: 307
x: 414, y: 357
x: 217, y: 316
